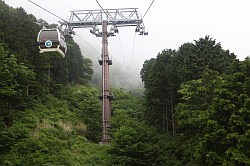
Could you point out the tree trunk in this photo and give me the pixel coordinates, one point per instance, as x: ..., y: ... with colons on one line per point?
x: 166, y: 115
x: 172, y: 112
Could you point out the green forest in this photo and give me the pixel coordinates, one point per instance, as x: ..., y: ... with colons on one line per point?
x: 194, y: 109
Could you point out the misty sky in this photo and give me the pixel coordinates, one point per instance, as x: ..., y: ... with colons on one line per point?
x: 170, y: 23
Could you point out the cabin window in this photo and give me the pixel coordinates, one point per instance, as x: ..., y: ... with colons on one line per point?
x: 48, y: 35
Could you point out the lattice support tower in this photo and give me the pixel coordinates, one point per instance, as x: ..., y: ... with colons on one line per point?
x: 112, y: 18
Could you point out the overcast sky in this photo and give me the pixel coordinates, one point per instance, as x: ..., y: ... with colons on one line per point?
x: 170, y: 23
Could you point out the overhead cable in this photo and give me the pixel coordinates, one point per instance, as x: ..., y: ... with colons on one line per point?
x: 148, y: 8
x: 132, y: 56
x: 123, y: 57
x: 103, y: 9
x: 47, y: 10
x: 87, y: 43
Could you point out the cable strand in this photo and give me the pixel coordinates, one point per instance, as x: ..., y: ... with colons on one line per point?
x: 123, y: 57
x: 47, y: 10
x: 133, y: 50
x: 148, y: 9
x: 88, y: 44
x: 103, y: 9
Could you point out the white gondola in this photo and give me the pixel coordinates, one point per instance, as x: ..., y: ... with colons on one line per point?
x: 50, y: 40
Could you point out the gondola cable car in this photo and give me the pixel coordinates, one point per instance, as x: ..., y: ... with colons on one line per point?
x: 51, y: 40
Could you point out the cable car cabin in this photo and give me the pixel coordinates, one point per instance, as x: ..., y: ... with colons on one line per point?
x: 51, y: 40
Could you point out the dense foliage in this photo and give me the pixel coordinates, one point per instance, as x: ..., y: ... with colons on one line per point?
x: 164, y: 75
x: 200, y: 94
x: 195, y: 109
x: 51, y: 132
x: 214, y: 118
